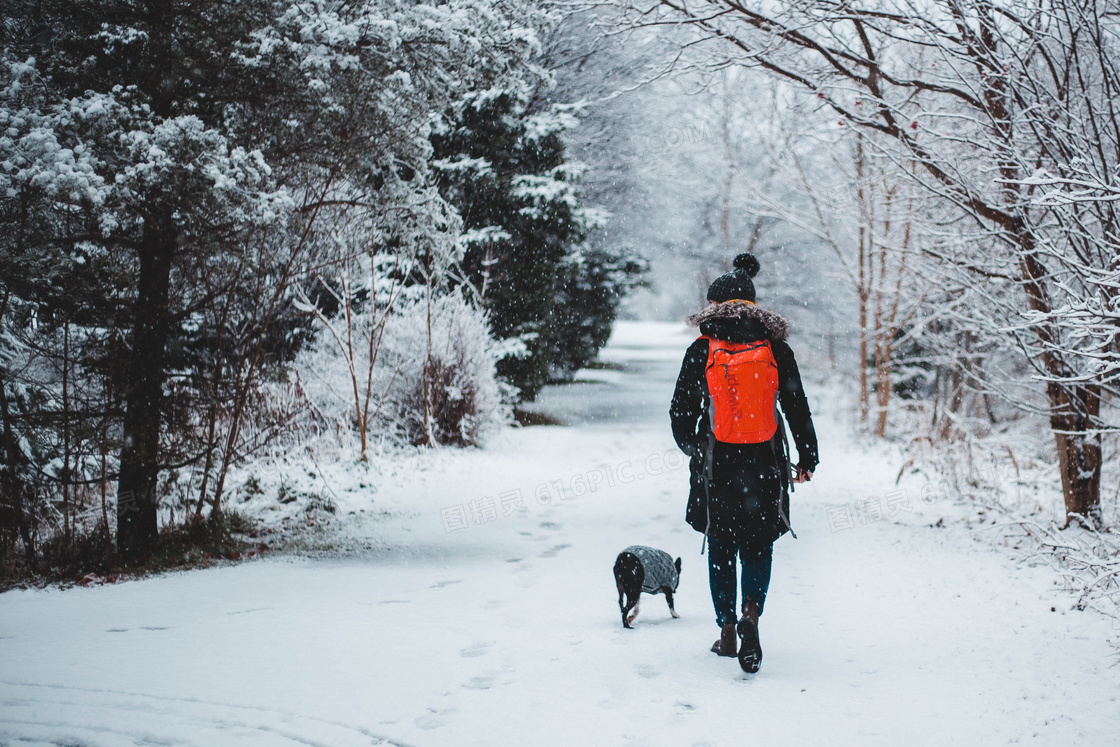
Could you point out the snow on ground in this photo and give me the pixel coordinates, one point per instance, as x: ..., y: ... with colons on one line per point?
x: 459, y: 623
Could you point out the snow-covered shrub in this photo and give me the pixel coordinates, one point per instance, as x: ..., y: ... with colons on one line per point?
x: 447, y: 391
x: 430, y: 374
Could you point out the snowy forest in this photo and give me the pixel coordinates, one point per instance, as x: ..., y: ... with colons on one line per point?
x: 365, y: 317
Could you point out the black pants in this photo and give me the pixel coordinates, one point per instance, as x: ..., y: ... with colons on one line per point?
x: 721, y: 576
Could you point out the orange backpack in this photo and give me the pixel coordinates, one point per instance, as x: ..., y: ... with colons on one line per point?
x: 743, y: 384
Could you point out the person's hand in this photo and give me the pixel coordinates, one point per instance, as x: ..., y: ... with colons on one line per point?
x: 803, y: 475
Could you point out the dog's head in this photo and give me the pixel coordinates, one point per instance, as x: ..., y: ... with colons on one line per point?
x: 628, y: 578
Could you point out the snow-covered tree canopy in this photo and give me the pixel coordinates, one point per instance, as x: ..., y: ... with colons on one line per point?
x: 170, y: 172
x: 968, y: 99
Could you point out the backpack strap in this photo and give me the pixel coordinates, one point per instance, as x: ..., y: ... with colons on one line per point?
x: 709, y: 456
x: 782, y: 461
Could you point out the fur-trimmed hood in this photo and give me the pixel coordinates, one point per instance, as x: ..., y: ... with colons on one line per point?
x: 776, y: 325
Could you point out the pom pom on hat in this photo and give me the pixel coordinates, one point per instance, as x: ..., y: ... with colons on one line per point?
x: 737, y: 284
x: 748, y: 263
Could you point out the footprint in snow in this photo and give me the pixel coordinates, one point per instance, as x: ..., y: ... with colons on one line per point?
x: 142, y: 627
x: 479, y: 683
x: 434, y: 719
x: 552, y: 551
x: 477, y: 649
x: 549, y: 525
x: 442, y: 584
x: 645, y: 671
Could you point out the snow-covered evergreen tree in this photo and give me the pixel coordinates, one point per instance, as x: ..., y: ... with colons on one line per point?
x: 546, y: 290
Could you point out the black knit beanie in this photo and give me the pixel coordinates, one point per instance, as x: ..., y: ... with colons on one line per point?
x: 736, y: 285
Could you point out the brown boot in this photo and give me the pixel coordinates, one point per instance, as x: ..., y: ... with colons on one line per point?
x: 750, y: 650
x: 725, y: 646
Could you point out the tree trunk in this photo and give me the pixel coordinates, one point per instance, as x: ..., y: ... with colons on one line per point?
x: 863, y: 284
x: 883, y: 369
x: 13, y: 520
x: 864, y: 384
x: 137, y: 500
x: 1074, y: 408
x: 954, y: 389
x: 65, y: 476
x: 1074, y: 411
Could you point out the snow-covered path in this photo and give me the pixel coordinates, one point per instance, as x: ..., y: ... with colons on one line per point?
x: 507, y: 631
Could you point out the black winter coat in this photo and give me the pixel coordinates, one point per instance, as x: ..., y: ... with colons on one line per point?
x: 748, y: 480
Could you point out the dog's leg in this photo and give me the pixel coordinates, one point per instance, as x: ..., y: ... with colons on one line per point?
x: 628, y: 578
x: 633, y: 613
x: 669, y: 599
x: 622, y: 604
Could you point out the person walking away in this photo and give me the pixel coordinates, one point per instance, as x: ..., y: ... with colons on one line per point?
x: 724, y: 417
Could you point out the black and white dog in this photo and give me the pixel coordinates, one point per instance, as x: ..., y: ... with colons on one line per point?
x: 639, y: 568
